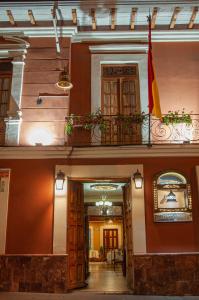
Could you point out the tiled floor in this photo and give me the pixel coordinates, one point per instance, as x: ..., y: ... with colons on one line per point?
x: 77, y: 295
x: 103, y: 278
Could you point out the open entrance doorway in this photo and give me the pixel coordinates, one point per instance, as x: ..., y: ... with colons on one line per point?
x: 100, y: 251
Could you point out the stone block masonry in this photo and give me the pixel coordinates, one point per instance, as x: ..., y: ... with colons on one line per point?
x: 36, y: 273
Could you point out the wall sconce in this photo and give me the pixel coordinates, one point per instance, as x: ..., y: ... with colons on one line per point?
x: 138, y: 179
x: 59, y: 180
x: 63, y: 82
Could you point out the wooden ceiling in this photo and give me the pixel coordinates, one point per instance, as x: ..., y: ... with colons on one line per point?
x: 100, y: 17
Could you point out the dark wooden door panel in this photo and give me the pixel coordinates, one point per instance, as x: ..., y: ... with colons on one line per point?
x: 75, y: 240
x: 120, y: 96
x: 128, y: 234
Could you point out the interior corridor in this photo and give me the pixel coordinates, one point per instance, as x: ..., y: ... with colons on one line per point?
x: 104, y: 278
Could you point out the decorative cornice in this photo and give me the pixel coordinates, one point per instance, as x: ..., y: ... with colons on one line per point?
x: 180, y: 150
x: 157, y: 36
x: 56, y: 152
x: 119, y: 48
x: 128, y: 36
x: 39, y: 31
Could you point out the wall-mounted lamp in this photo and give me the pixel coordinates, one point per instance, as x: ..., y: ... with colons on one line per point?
x: 59, y: 180
x: 138, y: 179
x: 63, y: 82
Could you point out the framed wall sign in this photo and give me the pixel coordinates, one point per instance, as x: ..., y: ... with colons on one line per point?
x: 172, y: 198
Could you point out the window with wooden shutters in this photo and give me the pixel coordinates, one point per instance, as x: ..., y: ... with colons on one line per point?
x: 120, y: 96
x: 5, y: 90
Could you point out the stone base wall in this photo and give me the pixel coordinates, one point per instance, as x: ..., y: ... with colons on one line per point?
x: 37, y: 273
x: 172, y: 274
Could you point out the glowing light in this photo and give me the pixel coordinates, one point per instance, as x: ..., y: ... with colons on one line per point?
x: 40, y: 136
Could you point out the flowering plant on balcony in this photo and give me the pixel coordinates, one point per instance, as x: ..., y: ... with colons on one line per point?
x: 102, y: 122
x: 176, y: 117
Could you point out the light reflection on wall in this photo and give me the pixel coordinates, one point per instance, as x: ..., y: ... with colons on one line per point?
x: 40, y: 136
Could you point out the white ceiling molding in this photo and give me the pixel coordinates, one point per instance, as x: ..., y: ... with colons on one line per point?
x: 50, y: 152
x: 121, y: 36
x: 39, y: 31
x: 19, y: 49
x: 119, y: 48
x: 157, y: 36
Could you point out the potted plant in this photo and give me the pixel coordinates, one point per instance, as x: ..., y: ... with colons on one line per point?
x: 177, y: 117
x: 97, y: 119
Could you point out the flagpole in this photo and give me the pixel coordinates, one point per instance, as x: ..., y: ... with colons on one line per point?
x: 149, y: 50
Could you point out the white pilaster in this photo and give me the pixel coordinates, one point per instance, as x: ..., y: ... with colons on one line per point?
x: 60, y: 217
x: 4, y: 197
x: 100, y: 171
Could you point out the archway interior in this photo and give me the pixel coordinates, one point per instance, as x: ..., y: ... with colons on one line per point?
x: 105, y: 259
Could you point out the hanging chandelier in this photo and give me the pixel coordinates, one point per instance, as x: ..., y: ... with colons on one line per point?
x: 104, y: 205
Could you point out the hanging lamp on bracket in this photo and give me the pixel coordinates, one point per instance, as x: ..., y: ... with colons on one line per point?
x: 64, y: 82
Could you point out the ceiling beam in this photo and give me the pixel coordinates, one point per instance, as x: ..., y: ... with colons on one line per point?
x: 93, y: 16
x: 113, y: 18
x: 10, y: 17
x: 153, y: 18
x: 74, y: 16
x: 133, y: 15
x: 31, y: 16
x: 174, y: 17
x: 193, y: 16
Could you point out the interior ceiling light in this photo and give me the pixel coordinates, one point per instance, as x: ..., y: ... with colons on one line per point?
x: 104, y: 187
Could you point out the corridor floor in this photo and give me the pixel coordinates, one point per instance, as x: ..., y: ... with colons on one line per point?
x: 103, y: 278
x: 103, y: 284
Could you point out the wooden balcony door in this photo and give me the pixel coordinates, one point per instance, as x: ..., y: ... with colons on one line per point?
x: 5, y: 90
x: 76, y: 236
x: 120, y: 96
x: 128, y: 234
x: 110, y: 239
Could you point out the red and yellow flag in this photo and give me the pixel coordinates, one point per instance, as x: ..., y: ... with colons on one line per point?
x: 153, y: 94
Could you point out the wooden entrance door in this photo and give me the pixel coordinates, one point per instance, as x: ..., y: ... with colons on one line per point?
x: 110, y: 239
x: 120, y: 96
x: 75, y: 233
x: 128, y: 234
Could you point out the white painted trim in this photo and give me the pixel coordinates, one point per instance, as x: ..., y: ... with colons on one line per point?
x: 197, y: 177
x: 157, y: 36
x: 96, y: 62
x: 189, y: 35
x: 98, y: 59
x: 138, y: 216
x: 119, y: 48
x: 99, y: 171
x: 60, y: 217
x: 49, y: 152
x: 4, y: 198
x: 39, y: 31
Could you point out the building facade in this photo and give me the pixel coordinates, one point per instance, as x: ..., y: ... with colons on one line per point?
x: 98, y: 131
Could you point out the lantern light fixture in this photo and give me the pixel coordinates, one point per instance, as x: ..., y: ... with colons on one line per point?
x: 59, y: 180
x: 138, y: 179
x: 64, y: 82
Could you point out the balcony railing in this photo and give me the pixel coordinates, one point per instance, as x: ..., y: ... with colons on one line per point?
x: 129, y: 130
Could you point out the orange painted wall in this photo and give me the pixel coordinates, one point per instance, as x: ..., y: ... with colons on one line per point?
x: 177, y: 72
x: 30, y: 214
x: 30, y: 211
x: 41, y: 72
x: 171, y: 237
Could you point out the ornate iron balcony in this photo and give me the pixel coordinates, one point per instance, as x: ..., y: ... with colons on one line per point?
x: 138, y: 129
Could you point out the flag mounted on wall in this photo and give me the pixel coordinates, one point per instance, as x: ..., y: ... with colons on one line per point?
x: 153, y: 94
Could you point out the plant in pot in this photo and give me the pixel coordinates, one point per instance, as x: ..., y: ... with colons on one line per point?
x: 177, y: 117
